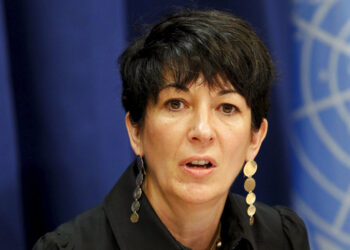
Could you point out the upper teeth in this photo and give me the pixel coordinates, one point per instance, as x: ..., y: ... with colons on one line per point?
x: 203, y: 162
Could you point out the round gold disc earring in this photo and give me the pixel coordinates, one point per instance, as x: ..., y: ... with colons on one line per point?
x: 249, y: 170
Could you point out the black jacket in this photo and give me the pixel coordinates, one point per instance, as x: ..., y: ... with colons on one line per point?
x: 108, y: 226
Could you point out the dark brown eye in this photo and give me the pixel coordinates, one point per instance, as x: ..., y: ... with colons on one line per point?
x: 175, y: 104
x: 227, y: 108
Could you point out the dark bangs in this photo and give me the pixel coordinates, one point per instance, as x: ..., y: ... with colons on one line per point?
x: 216, y: 45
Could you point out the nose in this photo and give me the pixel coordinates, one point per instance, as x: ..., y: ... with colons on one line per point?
x: 201, y: 130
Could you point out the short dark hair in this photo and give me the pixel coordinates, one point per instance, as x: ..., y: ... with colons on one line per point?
x: 213, y: 43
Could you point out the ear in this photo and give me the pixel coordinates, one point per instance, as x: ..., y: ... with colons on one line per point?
x: 257, y: 138
x: 134, y: 135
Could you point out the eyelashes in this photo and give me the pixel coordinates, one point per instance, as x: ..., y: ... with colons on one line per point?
x: 228, y: 109
x: 177, y: 105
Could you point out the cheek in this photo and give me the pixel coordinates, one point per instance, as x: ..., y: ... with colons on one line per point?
x: 161, y: 137
x: 236, y: 142
x: 235, y: 148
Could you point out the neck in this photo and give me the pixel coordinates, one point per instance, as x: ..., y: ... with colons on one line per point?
x: 193, y: 225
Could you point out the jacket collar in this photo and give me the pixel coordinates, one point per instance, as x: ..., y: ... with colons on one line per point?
x: 150, y: 231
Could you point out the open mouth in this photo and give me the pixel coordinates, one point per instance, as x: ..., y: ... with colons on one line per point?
x: 199, y: 167
x: 199, y: 164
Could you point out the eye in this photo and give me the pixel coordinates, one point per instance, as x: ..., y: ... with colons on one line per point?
x: 227, y: 108
x: 175, y: 104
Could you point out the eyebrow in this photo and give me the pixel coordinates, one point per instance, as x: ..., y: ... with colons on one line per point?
x: 176, y: 86
x: 185, y: 89
x: 226, y: 91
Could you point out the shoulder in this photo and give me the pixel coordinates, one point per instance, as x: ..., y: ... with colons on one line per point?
x: 276, y: 227
x: 293, y: 228
x: 89, y: 230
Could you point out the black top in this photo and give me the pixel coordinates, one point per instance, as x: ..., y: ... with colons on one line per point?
x: 108, y: 226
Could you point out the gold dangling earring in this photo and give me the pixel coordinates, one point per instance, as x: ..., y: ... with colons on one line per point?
x: 135, y: 206
x: 249, y: 185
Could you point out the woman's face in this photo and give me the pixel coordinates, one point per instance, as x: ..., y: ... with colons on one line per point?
x: 195, y: 142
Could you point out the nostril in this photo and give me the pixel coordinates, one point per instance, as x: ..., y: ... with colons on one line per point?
x: 199, y: 136
x: 202, y: 130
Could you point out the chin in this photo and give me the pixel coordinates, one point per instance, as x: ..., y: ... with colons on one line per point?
x: 198, y: 193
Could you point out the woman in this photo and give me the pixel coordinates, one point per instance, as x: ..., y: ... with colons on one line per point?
x: 196, y: 93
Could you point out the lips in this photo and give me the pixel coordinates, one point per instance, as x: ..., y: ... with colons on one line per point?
x: 198, y: 166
